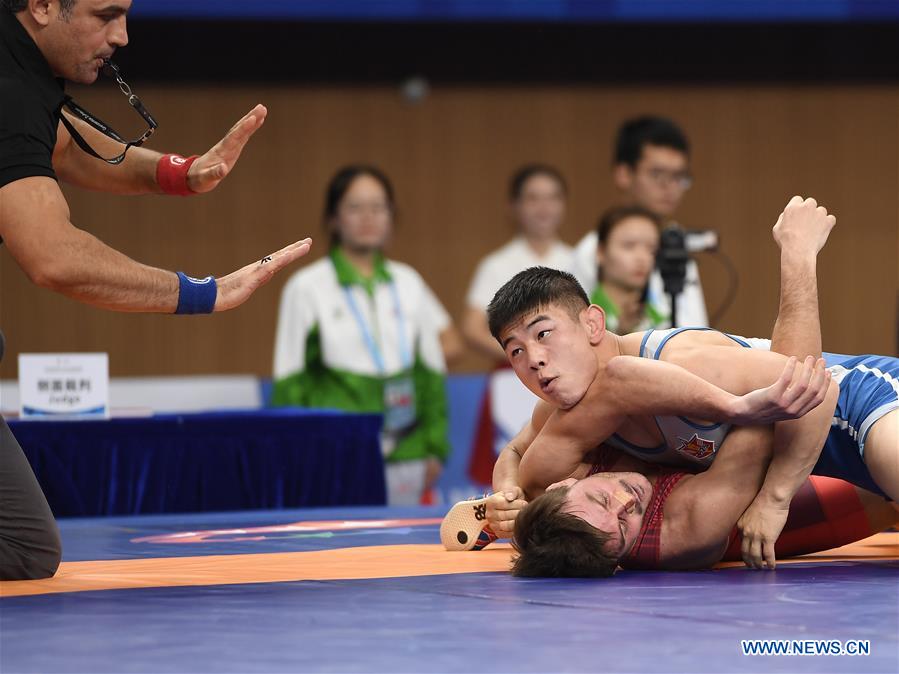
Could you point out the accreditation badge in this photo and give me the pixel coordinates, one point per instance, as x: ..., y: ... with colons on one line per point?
x: 399, y: 404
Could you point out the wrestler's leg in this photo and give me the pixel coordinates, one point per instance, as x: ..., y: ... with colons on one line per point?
x: 882, y: 453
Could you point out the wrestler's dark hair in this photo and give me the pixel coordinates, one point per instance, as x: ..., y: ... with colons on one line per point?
x: 15, y: 6
x: 531, y: 290
x: 525, y: 173
x: 341, y: 182
x: 635, y: 134
x: 555, y: 544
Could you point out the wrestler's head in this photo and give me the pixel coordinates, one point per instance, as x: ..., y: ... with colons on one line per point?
x: 581, y: 528
x: 548, y: 329
x: 75, y: 36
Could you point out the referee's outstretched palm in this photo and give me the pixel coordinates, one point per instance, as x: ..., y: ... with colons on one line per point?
x: 235, y: 288
x: 209, y: 169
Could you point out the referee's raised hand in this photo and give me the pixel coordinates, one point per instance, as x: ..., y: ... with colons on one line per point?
x: 210, y: 169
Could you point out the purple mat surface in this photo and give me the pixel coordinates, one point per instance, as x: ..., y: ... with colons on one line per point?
x: 634, y: 622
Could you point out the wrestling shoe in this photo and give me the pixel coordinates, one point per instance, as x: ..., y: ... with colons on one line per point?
x: 465, y: 526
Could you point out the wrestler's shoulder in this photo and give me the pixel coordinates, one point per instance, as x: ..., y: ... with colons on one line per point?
x: 630, y: 343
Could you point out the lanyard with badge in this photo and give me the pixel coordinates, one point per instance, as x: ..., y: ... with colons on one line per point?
x: 399, y: 390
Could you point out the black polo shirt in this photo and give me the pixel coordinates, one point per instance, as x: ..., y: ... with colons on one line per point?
x: 30, y: 102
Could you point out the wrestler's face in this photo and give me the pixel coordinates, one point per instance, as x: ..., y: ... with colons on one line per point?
x: 75, y: 43
x: 613, y: 503
x: 628, y: 256
x: 552, y: 352
x: 540, y: 208
x: 658, y: 182
x: 364, y: 215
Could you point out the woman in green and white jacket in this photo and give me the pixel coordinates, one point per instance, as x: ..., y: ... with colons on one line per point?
x: 362, y: 333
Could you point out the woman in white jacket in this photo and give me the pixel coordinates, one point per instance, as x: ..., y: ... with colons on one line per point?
x: 362, y: 333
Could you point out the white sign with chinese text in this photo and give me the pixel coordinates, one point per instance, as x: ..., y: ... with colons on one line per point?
x: 64, y: 385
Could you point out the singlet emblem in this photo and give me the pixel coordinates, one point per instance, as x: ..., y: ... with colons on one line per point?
x: 697, y: 447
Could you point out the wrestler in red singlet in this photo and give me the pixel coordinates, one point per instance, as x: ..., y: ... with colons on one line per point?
x: 825, y: 513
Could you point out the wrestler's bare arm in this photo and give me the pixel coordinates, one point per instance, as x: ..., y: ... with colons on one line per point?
x: 655, y: 387
x: 701, y: 511
x: 801, y: 231
x: 552, y: 457
x: 798, y: 442
x: 642, y: 386
x: 508, y: 499
x: 137, y: 173
x: 560, y: 446
x: 506, y: 468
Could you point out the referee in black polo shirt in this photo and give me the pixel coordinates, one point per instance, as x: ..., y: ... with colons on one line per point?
x: 44, y: 137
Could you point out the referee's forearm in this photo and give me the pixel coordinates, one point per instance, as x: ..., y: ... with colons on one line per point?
x: 135, y: 175
x: 91, y: 272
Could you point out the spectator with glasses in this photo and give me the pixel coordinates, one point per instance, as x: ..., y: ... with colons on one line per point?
x: 42, y: 44
x: 651, y: 169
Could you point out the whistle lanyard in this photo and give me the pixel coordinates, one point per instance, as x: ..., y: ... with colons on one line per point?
x: 368, y: 336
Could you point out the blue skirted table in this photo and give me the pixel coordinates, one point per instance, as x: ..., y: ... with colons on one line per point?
x: 235, y: 460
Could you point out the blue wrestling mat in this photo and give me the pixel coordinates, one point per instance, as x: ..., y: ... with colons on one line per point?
x: 371, y: 590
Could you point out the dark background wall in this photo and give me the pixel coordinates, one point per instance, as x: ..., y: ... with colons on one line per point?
x: 771, y: 111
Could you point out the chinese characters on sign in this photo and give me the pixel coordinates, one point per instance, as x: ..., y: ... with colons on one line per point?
x: 64, y: 385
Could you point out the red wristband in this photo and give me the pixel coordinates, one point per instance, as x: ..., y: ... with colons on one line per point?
x: 171, y: 174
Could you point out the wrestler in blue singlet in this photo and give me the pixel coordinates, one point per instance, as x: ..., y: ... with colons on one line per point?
x: 869, y: 389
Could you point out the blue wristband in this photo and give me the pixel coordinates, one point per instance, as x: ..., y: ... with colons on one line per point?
x: 196, y: 296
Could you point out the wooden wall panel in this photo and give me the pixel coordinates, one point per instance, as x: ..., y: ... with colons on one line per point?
x: 450, y: 157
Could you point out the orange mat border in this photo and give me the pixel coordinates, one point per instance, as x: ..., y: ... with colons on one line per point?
x: 368, y: 562
x: 375, y: 561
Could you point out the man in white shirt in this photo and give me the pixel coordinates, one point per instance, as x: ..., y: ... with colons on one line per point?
x: 651, y: 169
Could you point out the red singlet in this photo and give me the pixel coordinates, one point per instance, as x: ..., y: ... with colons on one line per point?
x: 647, y: 547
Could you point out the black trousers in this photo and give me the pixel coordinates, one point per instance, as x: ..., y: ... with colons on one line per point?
x: 30, y: 547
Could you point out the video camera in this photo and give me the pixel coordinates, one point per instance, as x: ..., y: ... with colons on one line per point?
x: 675, y: 247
